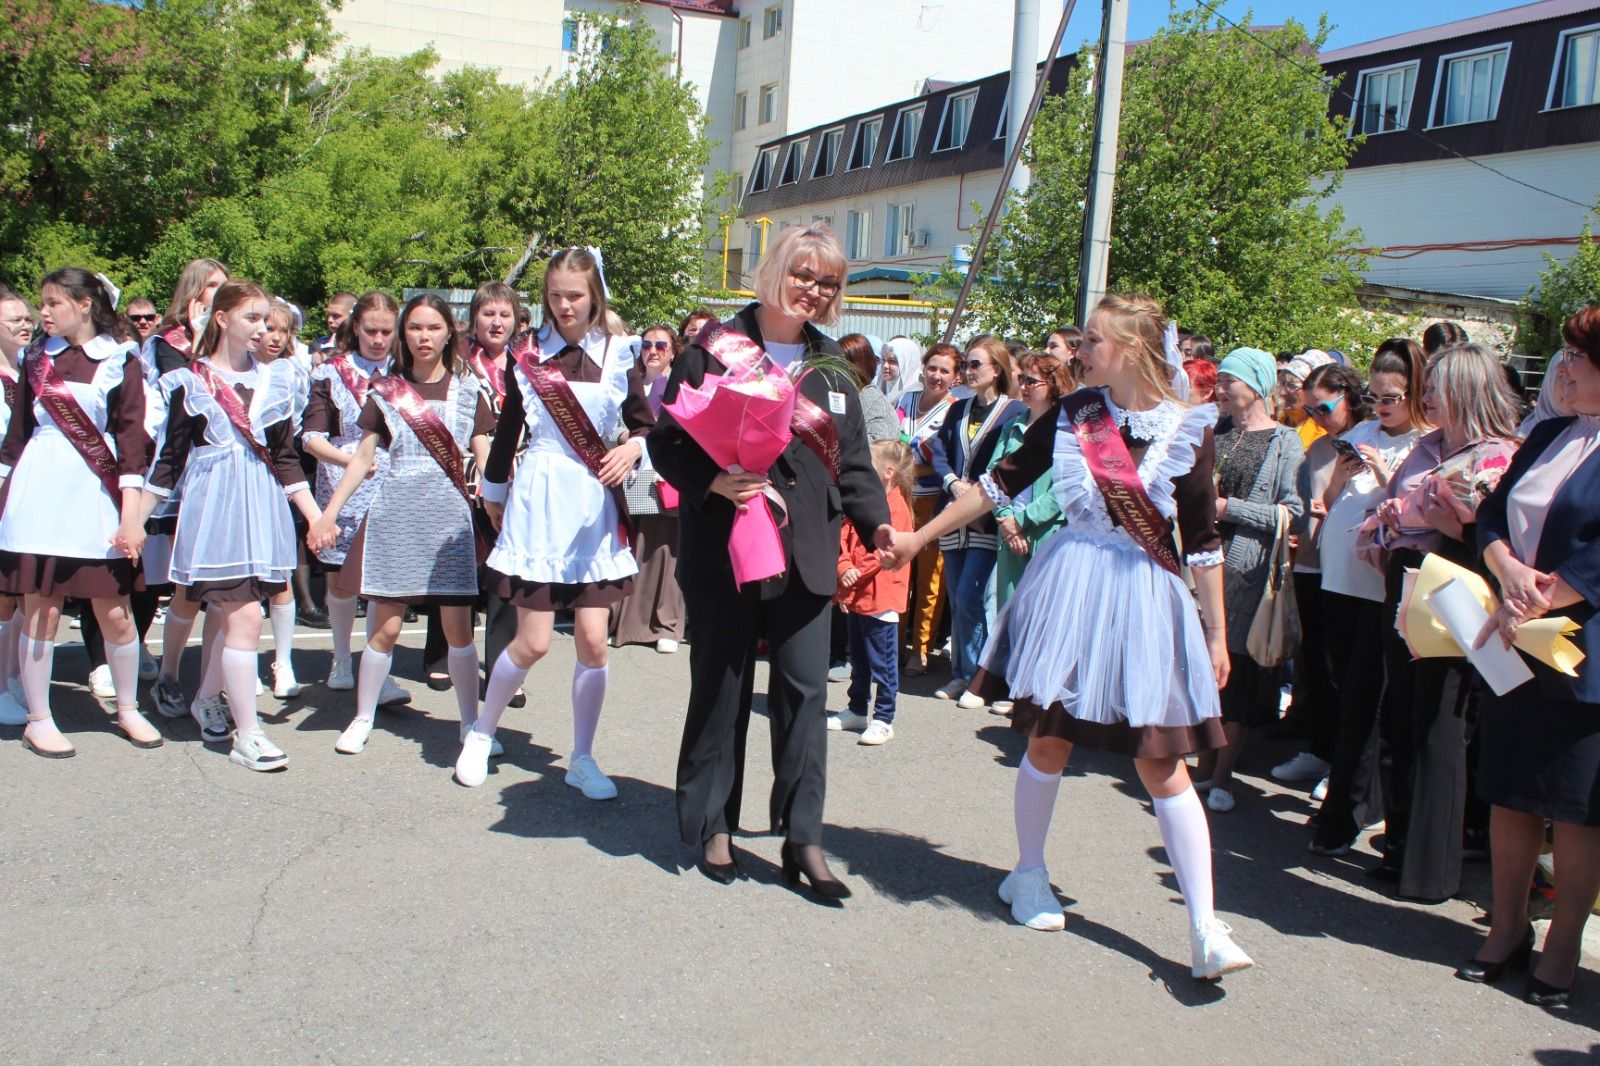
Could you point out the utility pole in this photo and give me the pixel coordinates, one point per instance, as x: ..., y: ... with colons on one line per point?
x: 1024, y: 63
x: 1095, y: 258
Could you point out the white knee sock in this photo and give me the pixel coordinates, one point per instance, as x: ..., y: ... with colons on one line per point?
x: 1187, y: 836
x: 373, y: 671
x: 239, y: 674
x: 282, y: 632
x: 38, y: 663
x: 123, y: 659
x: 504, y: 680
x: 588, y: 697
x: 341, y: 623
x: 174, y: 638
x: 462, y: 665
x: 1032, y: 805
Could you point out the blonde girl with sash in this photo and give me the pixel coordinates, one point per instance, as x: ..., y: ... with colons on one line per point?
x: 576, y: 389
x: 227, y: 445
x: 75, y: 454
x: 418, y: 548
x: 1101, y: 644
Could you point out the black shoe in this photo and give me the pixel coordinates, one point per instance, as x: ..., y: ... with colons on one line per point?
x: 361, y: 608
x: 1487, y: 973
x: 520, y: 699
x: 313, y: 617
x: 409, y: 616
x: 827, y: 888
x: 1543, y: 995
x: 1385, y: 873
x: 439, y: 682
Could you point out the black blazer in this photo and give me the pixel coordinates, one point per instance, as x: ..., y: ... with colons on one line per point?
x: 814, y: 504
x: 1569, y: 546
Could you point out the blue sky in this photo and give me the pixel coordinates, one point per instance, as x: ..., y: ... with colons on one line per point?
x: 1355, y: 20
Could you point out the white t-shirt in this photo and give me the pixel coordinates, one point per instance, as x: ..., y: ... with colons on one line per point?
x: 1342, y: 571
x: 786, y: 355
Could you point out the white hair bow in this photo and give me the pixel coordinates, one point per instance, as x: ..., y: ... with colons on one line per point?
x: 1180, y: 377
x: 112, y: 292
x: 599, y: 266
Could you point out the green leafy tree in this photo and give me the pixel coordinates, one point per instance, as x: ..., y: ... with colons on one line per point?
x: 1226, y: 150
x: 1564, y: 289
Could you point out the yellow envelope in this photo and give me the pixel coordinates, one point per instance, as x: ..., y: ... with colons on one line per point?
x: 1543, y: 638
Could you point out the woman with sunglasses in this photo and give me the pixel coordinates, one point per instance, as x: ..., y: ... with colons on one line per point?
x: 1353, y: 587
x: 1026, y: 521
x: 922, y: 412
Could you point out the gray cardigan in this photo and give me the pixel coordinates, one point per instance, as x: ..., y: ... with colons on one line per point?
x: 879, y: 416
x: 1252, y: 522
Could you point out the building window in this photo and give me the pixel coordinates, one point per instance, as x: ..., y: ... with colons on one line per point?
x: 793, y: 163
x: 741, y: 110
x: 736, y: 190
x: 1005, y: 111
x: 754, y: 255
x: 1385, y: 99
x: 955, y: 122
x: 772, y: 22
x: 866, y: 147
x: 907, y: 129
x: 827, y: 154
x: 761, y: 177
x: 769, y: 102
x: 1576, y: 80
x: 569, y: 35
x: 1472, y: 84
x: 857, y: 234
x: 898, y: 234
x: 826, y: 220
x: 744, y: 33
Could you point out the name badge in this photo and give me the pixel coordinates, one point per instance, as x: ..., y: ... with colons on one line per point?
x: 836, y: 403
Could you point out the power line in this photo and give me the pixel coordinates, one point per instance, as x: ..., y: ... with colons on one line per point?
x: 1322, y: 77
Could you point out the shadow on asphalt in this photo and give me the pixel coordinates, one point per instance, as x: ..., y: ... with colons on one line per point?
x: 638, y: 822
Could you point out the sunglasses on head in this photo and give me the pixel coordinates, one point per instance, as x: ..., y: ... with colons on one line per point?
x: 659, y: 346
x: 144, y: 318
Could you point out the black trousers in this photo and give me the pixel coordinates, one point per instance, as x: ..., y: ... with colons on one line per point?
x: 1356, y: 650
x: 1316, y: 697
x: 797, y: 627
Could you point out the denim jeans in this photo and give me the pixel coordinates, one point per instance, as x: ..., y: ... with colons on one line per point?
x: 874, y: 660
x: 967, y: 572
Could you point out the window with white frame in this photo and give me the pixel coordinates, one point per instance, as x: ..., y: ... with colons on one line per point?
x: 1000, y: 127
x: 1384, y: 99
x: 1470, y: 85
x: 772, y: 21
x: 793, y: 162
x: 865, y: 148
x: 857, y: 234
x: 827, y: 154
x: 754, y: 246
x: 955, y: 122
x: 826, y: 220
x: 741, y: 110
x: 907, y: 130
x: 761, y: 176
x: 744, y: 33
x: 769, y: 103
x: 899, y: 234
x: 1576, y: 79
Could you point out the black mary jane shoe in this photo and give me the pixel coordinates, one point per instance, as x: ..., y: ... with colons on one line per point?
x: 1487, y: 973
x: 831, y: 888
x: 1541, y: 994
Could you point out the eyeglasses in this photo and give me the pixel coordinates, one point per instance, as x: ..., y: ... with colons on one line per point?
x: 806, y: 282
x: 1389, y: 401
x: 142, y: 319
x: 1326, y: 407
x: 1028, y: 381
x: 975, y: 364
x: 659, y: 346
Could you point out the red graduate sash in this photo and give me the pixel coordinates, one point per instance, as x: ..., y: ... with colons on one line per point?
x: 357, y: 385
x: 814, y: 426
x: 70, y: 417
x: 1117, y: 476
x: 490, y: 370
x: 233, y: 406
x: 178, y: 337
x: 424, y: 421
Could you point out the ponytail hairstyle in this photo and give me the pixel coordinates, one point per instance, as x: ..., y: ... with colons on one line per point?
x: 230, y: 294
x: 1441, y: 335
x: 894, y: 458
x: 1404, y: 356
x: 451, y: 353
x: 578, y: 261
x: 346, y: 342
x: 80, y: 284
x: 191, y: 283
x: 1137, y: 322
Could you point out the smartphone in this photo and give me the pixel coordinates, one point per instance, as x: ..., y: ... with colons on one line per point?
x: 1346, y: 449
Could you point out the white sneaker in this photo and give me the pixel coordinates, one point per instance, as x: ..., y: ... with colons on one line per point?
x: 1003, y: 708
x: 585, y: 776
x: 1033, y: 903
x: 12, y: 712
x: 340, y: 676
x: 14, y: 687
x: 970, y: 701
x: 496, y: 749
x: 1214, y: 951
x: 212, y: 718
x: 472, y: 765
x: 848, y: 721
x: 839, y: 672
x: 284, y: 684
x: 148, y: 669
x: 952, y: 690
x: 1285, y: 698
x: 1320, y: 791
x: 1303, y: 767
x: 877, y: 733
x: 667, y: 646
x: 392, y: 694
x: 354, y: 737
x: 254, y: 751
x: 100, y: 683
x: 1220, y: 800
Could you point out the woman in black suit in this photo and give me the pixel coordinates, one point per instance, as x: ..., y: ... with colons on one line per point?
x: 798, y: 284
x: 1540, y: 534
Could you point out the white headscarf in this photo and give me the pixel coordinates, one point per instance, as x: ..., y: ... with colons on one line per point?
x: 1548, y: 406
x: 909, y: 357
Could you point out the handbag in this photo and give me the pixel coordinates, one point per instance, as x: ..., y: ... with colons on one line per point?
x: 1275, y: 628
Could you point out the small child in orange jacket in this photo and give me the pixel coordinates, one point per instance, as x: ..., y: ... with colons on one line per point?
x: 873, y: 599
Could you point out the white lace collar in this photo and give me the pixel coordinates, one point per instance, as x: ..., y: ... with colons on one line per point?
x: 1151, y: 424
x: 98, y: 348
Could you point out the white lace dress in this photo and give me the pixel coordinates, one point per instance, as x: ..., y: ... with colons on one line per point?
x: 1100, y: 644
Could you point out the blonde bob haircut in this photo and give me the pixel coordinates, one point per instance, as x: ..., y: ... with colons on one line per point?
x: 795, y: 246
x: 1137, y: 323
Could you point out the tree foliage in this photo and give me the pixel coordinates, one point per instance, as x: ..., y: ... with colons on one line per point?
x: 1564, y: 289
x: 1226, y: 150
